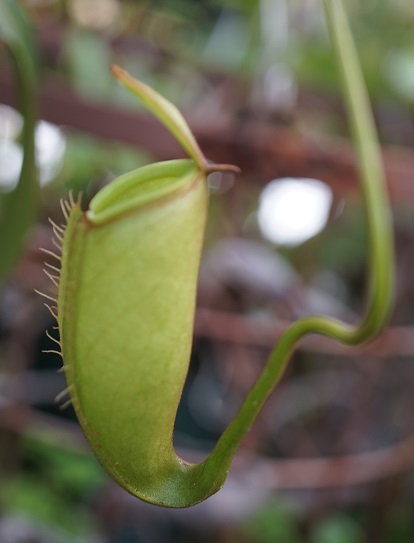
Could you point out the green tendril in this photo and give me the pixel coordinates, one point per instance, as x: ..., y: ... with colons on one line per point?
x: 381, y: 259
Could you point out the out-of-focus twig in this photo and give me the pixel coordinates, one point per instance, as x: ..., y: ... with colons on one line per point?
x: 338, y: 471
x: 298, y: 473
x: 250, y: 331
x: 268, y: 150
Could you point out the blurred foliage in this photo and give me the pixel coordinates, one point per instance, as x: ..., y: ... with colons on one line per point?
x: 88, y: 57
x: 278, y: 521
x: 70, y: 472
x: 185, y: 41
x: 88, y: 163
x: 337, y: 528
x: 383, y: 31
x: 170, y: 43
x: 18, y: 207
x: 54, y: 487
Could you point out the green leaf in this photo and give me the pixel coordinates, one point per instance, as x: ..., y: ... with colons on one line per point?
x: 166, y: 112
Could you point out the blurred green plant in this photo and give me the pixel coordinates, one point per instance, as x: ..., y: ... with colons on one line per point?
x: 56, y: 487
x: 88, y: 57
x: 277, y: 521
x: 337, y: 528
x: 18, y: 208
x: 383, y: 31
x: 68, y: 471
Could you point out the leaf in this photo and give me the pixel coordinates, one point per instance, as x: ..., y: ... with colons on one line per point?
x: 166, y: 112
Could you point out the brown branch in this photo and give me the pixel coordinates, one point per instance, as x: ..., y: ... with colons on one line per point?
x: 302, y: 473
x: 342, y: 471
x: 267, y: 150
x: 242, y: 330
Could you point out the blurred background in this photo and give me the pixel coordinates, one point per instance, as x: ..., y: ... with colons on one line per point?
x: 330, y: 459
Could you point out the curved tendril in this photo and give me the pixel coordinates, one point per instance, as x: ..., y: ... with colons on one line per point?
x: 381, y: 260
